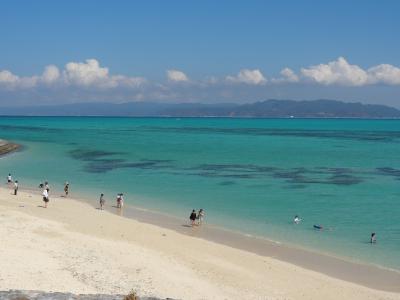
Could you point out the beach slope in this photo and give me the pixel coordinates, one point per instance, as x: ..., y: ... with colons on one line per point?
x: 73, y: 247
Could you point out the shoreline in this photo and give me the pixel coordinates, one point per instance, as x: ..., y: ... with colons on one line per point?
x: 7, y: 147
x: 367, y: 275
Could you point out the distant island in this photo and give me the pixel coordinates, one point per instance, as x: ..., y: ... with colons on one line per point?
x: 263, y: 109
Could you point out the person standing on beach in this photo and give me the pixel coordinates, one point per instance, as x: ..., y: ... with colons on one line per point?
x: 121, y: 197
x: 45, y: 197
x: 102, y: 201
x: 9, y: 178
x: 118, y: 200
x: 200, y: 216
x: 47, y: 187
x: 15, y: 187
x: 192, y: 217
x: 66, y: 189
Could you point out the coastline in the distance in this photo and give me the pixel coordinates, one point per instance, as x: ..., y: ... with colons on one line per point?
x: 271, y: 108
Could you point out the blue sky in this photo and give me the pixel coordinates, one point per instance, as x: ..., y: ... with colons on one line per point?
x: 199, y: 51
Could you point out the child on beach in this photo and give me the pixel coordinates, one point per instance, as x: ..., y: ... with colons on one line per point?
x: 9, y: 178
x: 45, y: 197
x: 15, y: 187
x: 66, y: 189
x: 192, y: 217
x: 102, y: 201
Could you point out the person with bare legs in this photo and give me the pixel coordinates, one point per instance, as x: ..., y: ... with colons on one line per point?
x: 15, y: 187
x: 192, y: 218
x: 102, y: 201
x: 45, y: 197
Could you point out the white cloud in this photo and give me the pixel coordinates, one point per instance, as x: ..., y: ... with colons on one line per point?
x: 50, y: 74
x: 336, y: 72
x: 7, y: 78
x: 176, y: 76
x: 91, y: 78
x: 11, y: 81
x: 253, y: 77
x: 87, y: 74
x: 384, y: 73
x: 288, y: 75
x: 340, y: 72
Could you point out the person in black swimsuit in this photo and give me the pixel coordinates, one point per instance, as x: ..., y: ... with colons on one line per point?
x: 193, y: 217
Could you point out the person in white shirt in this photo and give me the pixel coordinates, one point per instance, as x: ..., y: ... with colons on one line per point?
x: 15, y: 187
x: 121, y: 204
x: 119, y: 201
x: 45, y: 197
x: 46, y: 186
x: 200, y: 216
x: 9, y: 179
x: 296, y: 219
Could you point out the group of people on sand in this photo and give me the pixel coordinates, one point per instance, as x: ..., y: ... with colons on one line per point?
x: 44, y: 186
x: 297, y: 220
x: 120, y: 200
x: 197, y: 218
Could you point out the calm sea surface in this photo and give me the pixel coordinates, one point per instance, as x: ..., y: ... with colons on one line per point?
x: 250, y: 175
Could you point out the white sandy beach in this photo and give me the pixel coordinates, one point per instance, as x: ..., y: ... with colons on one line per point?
x: 72, y: 247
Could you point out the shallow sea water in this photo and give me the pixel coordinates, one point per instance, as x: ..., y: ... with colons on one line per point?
x: 250, y: 175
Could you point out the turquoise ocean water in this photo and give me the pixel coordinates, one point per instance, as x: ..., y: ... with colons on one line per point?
x: 250, y: 175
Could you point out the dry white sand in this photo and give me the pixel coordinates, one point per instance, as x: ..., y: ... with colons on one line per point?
x: 73, y: 247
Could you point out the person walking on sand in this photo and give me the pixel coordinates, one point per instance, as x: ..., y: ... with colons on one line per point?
x: 9, y: 178
x: 66, y: 189
x: 102, y: 201
x: 192, y: 217
x: 15, y: 187
x: 200, y: 216
x: 45, y: 197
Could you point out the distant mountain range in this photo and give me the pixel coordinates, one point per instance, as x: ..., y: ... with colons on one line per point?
x: 262, y: 109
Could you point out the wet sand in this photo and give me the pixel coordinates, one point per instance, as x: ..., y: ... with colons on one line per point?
x: 368, y: 275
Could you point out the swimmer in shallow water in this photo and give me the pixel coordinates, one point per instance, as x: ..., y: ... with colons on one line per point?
x: 318, y: 227
x: 296, y: 219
